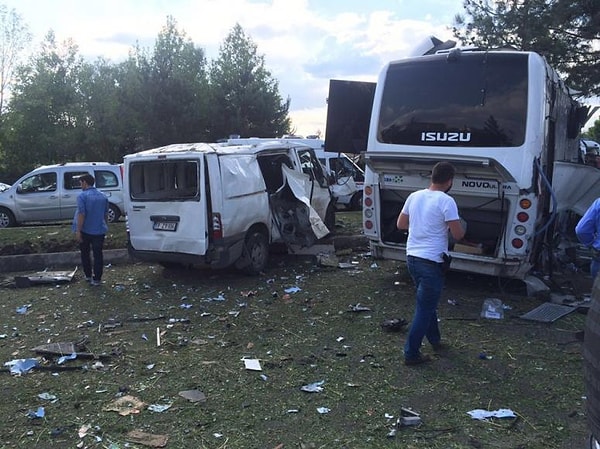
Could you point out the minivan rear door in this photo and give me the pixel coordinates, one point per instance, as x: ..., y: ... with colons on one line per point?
x: 167, y: 209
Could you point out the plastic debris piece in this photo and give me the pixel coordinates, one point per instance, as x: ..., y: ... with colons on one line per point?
x: 147, y: 439
x: 323, y: 410
x: 315, y: 387
x: 492, y: 309
x: 47, y: 396
x: 64, y: 358
x: 144, y: 337
x: 185, y: 306
x: 453, y: 302
x: 23, y: 309
x: 21, y: 366
x: 159, y: 408
x: 252, y: 364
x: 294, y: 289
x: 358, y: 308
x: 193, y: 395
x: 39, y: 413
x: 249, y: 293
x: 484, y: 356
x: 485, y: 414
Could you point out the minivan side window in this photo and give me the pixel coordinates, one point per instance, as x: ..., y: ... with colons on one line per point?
x: 105, y: 179
x: 71, y: 179
x: 41, y: 182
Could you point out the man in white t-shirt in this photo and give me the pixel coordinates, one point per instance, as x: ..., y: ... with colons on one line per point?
x: 428, y: 214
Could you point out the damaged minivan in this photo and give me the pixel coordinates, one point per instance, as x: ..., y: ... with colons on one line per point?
x: 221, y: 205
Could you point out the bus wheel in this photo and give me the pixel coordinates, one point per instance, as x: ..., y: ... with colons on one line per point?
x: 256, y: 252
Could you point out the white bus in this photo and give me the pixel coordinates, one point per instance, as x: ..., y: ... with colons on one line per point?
x: 507, y: 123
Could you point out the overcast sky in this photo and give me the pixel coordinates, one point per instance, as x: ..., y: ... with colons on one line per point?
x: 305, y: 42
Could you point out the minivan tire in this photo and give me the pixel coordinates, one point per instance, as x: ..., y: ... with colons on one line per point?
x: 113, y: 213
x: 256, y: 252
x: 7, y: 219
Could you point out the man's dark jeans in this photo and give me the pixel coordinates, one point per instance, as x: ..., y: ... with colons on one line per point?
x: 92, y: 244
x: 429, y: 280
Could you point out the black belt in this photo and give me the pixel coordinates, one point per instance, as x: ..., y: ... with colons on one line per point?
x: 425, y: 260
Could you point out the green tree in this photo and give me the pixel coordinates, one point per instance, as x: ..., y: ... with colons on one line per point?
x: 14, y: 38
x: 165, y: 91
x: 565, y: 32
x: 245, y: 96
x: 46, y: 121
x: 593, y: 133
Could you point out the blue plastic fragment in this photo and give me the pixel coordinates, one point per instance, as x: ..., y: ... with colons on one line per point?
x: 64, y: 358
x: 21, y: 366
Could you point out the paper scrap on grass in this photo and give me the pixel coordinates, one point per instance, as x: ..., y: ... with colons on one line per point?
x: 252, y: 364
x: 193, y: 395
x: 126, y: 405
x: 485, y: 414
x: 147, y: 439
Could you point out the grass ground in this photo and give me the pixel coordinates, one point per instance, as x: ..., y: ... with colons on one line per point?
x: 209, y: 321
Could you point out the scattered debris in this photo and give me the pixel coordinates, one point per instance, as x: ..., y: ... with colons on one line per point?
x: 147, y: 439
x: 323, y: 410
x: 193, y: 395
x: 45, y: 277
x: 548, y: 312
x: 252, y: 364
x: 485, y: 414
x: 126, y: 405
x: 315, y: 387
x: 492, y: 309
x: 39, y: 413
x: 409, y: 417
x: 159, y: 408
x: 294, y: 289
x: 21, y: 366
x: 358, y: 308
x: 394, y: 324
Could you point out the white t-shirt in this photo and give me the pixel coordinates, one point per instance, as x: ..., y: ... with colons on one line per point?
x: 428, y: 213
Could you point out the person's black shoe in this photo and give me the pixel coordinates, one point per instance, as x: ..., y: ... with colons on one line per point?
x: 417, y: 360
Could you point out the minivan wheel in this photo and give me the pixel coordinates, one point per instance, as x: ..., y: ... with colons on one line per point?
x: 256, y: 252
x: 113, y: 213
x: 7, y: 219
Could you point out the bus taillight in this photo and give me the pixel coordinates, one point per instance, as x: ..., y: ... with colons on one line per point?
x: 522, y: 217
x: 369, y: 224
x: 517, y: 243
x: 525, y: 203
x: 217, y: 226
x: 368, y: 201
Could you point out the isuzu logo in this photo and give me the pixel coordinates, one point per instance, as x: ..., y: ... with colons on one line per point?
x: 432, y: 136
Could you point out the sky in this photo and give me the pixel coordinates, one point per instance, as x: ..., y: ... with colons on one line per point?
x: 305, y: 43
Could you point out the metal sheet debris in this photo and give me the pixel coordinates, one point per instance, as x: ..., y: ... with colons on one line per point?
x: 44, y: 277
x: 147, y: 439
x: 548, y: 312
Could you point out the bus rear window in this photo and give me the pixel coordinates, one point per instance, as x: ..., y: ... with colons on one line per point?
x: 474, y: 100
x: 164, y: 180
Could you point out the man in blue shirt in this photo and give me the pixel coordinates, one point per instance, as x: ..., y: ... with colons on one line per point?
x: 90, y: 226
x: 588, y: 233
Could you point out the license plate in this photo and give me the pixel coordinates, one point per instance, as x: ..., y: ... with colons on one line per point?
x: 165, y: 226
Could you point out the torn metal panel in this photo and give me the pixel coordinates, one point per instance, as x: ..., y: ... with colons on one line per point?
x: 548, y: 312
x: 45, y: 277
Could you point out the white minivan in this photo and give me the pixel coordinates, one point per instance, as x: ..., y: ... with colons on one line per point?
x: 49, y: 193
x: 220, y: 204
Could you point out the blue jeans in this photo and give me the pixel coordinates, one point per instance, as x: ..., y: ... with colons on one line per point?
x: 428, y: 277
x: 92, y: 244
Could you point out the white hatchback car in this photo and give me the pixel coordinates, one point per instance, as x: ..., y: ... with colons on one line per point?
x: 49, y: 193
